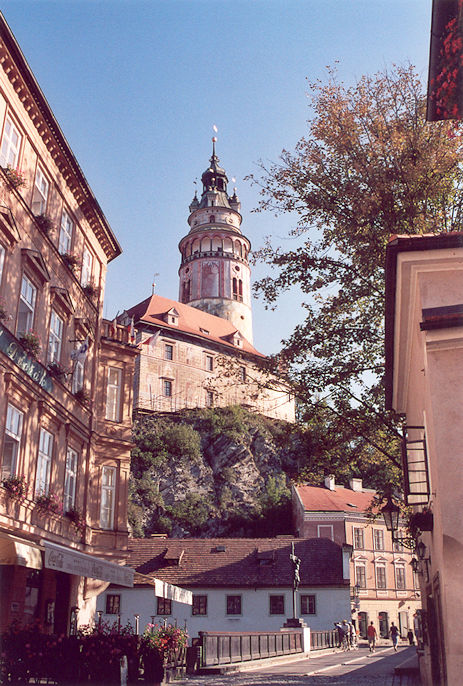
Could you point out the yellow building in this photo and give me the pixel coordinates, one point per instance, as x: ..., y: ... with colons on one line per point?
x: 65, y: 375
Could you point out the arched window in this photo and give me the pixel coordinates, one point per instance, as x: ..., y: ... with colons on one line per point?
x: 235, y: 289
x: 196, y: 246
x: 217, y: 244
x: 227, y: 245
x: 206, y: 245
x: 211, y: 218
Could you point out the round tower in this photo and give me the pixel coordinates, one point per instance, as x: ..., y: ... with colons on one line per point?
x: 214, y: 273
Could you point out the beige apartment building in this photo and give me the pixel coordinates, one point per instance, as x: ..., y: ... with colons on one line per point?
x: 66, y: 375
x: 424, y: 382
x: 384, y: 588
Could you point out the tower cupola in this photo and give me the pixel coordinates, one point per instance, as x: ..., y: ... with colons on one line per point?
x: 214, y: 273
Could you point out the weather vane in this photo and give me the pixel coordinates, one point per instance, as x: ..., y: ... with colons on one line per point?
x: 154, y: 283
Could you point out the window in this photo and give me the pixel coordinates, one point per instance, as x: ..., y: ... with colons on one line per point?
x: 167, y: 388
x: 11, y: 441
x: 11, y: 144
x: 164, y: 606
x: 380, y: 575
x: 360, y: 575
x: 199, y: 606
x: 113, y: 394
x: 26, y: 310
x: 70, y: 478
x: 40, y: 194
x: 325, y: 531
x: 400, y: 577
x: 2, y: 261
x: 42, y: 479
x: 55, y: 338
x: 113, y: 604
x: 108, y: 492
x: 65, y: 233
x: 397, y: 546
x: 277, y: 604
x: 243, y: 374
x: 378, y: 539
x: 209, y: 363
x: 209, y: 399
x: 308, y: 605
x: 233, y: 604
x: 168, y: 351
x: 87, y: 264
x: 358, y: 539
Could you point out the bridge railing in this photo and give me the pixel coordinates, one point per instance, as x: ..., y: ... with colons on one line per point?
x: 220, y: 647
x: 323, y: 639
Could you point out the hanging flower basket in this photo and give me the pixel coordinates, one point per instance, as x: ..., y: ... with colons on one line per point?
x: 90, y: 290
x: 77, y: 519
x: 82, y: 396
x: 44, y: 223
x: 15, y: 177
x: 421, y: 521
x: 16, y: 487
x: 31, y: 343
x: 49, y: 503
x: 70, y: 260
x: 56, y: 371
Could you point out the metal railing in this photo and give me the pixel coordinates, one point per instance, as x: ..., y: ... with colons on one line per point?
x: 221, y: 647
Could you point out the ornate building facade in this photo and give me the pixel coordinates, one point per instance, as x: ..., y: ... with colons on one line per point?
x: 66, y: 378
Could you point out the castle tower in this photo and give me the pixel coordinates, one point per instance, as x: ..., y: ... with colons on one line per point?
x: 214, y: 273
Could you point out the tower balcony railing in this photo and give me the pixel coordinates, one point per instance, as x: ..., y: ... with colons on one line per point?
x: 214, y: 253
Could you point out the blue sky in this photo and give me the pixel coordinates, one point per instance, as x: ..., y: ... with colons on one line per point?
x: 137, y: 85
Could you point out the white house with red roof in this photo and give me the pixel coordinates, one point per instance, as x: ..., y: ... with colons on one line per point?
x: 383, y: 587
x: 199, y: 352
x: 237, y: 584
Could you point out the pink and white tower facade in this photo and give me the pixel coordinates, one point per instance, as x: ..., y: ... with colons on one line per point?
x: 214, y: 273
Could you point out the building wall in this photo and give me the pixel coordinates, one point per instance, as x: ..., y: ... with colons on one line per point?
x: 332, y: 604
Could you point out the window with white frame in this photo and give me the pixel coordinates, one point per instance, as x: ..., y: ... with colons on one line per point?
x: 108, y: 497
x: 381, y: 575
x: 42, y: 479
x: 40, y: 194
x: 87, y: 267
x: 55, y: 338
x: 11, y: 145
x: 70, y: 478
x: 113, y: 394
x: 2, y: 261
x: 11, y: 441
x: 400, y: 583
x: 325, y: 531
x: 27, y: 300
x: 65, y: 233
x: 361, y: 574
x: 378, y: 539
x: 359, y: 542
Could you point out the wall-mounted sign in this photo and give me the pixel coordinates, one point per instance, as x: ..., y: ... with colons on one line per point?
x: 14, y: 350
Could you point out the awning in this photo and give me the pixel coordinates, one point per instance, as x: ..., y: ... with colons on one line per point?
x: 15, y: 551
x: 81, y: 564
x: 164, y: 590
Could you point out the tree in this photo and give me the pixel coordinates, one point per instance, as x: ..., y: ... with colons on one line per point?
x: 370, y: 166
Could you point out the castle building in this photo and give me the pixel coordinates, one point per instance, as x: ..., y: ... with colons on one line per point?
x: 198, y: 351
x: 66, y: 376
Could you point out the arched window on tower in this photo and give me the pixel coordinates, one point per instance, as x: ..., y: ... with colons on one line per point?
x: 186, y: 291
x: 240, y: 290
x: 217, y: 244
x: 211, y: 218
x: 227, y: 245
x: 235, y: 288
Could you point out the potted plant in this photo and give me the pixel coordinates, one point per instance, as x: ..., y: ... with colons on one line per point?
x: 49, y: 502
x: 70, y: 260
x: 82, y: 396
x: 421, y: 521
x: 44, y: 223
x: 90, y: 290
x: 15, y: 177
x: 77, y: 519
x: 56, y: 370
x: 31, y: 343
x: 161, y: 647
x: 16, y: 487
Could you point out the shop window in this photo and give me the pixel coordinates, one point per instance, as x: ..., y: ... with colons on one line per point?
x: 308, y: 605
x: 55, y: 337
x: 277, y: 604
x: 113, y: 604
x: 11, y: 441
x: 42, y: 480
x: 11, y: 145
x: 65, y: 233
x: 164, y: 606
x: 27, y: 300
x: 113, y: 394
x: 70, y: 479
x: 233, y: 604
x: 87, y: 268
x: 108, y: 497
x: 359, y: 542
x: 199, y: 606
x: 40, y: 193
x: 378, y: 539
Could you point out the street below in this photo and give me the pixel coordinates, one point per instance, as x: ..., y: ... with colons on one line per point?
x: 335, y: 669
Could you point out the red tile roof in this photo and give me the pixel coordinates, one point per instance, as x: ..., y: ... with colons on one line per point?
x: 237, y: 562
x: 190, y: 321
x: 320, y: 499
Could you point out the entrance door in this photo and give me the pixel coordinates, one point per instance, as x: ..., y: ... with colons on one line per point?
x: 383, y: 624
x: 61, y: 608
x: 362, y: 619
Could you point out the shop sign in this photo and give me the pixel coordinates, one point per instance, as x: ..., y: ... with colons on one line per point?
x: 14, y: 350
x: 74, y: 562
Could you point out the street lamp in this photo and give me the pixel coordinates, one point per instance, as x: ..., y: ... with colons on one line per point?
x: 391, y: 514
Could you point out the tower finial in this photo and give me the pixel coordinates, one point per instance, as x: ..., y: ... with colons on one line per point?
x: 214, y: 140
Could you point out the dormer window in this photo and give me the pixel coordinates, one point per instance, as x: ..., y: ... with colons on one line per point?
x: 171, y: 317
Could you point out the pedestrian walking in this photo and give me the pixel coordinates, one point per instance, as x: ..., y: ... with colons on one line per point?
x: 410, y: 637
x: 394, y: 634
x: 371, y: 635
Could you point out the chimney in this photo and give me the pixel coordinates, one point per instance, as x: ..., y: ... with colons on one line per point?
x: 356, y: 484
x: 330, y: 482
